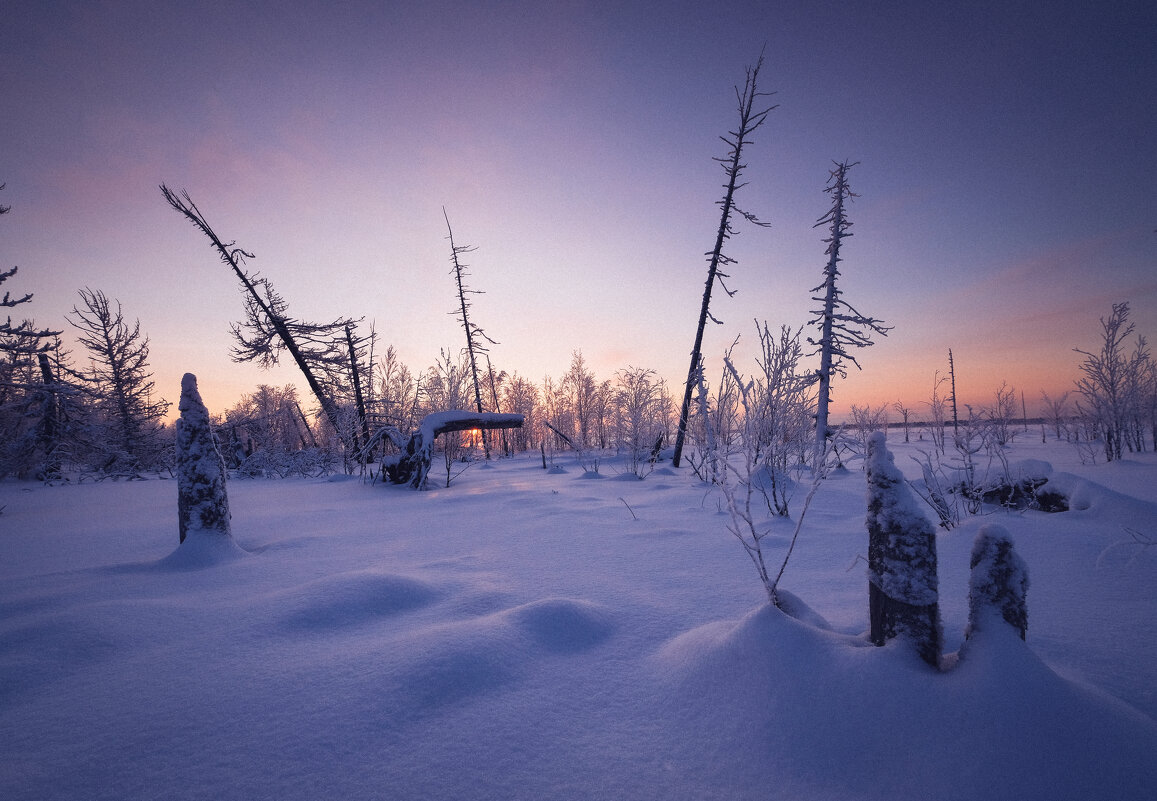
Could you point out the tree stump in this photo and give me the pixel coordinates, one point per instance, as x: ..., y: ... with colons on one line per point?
x: 903, y: 588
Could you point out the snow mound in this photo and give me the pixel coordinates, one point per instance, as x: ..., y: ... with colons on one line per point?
x: 354, y: 598
x: 564, y: 625
x: 1001, y: 725
x: 203, y: 549
x: 48, y: 648
x: 454, y: 663
x: 1029, y: 470
x: 1104, y: 503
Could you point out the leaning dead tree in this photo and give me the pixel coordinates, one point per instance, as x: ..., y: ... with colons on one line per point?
x: 475, y: 336
x: 268, y: 329
x: 412, y: 464
x: 749, y: 120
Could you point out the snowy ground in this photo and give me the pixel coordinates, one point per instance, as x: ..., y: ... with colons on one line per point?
x: 520, y: 636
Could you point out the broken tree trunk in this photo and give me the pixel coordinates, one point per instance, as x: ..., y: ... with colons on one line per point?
x: 412, y: 465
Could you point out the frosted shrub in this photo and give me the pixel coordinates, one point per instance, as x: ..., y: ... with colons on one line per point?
x: 998, y: 584
x: 903, y: 588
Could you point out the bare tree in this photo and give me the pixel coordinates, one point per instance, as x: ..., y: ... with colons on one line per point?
x: 1056, y: 411
x: 638, y: 400
x: 768, y: 401
x: 750, y: 119
x: 1109, y: 376
x: 905, y: 413
x: 842, y: 328
x: 936, y: 407
x: 779, y: 396
x: 867, y: 420
x: 119, y: 381
x: 520, y: 396
x: 580, y: 391
x: 475, y: 336
x: 23, y: 337
x: 360, y: 360
x: 268, y: 329
x: 397, y: 389
x: 1001, y: 414
x: 952, y: 397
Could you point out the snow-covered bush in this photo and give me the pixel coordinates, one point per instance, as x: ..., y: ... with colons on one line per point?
x: 998, y: 583
x: 713, y: 426
x: 903, y: 588
x: 640, y: 417
x: 866, y: 422
x: 774, y: 406
x: 202, y: 502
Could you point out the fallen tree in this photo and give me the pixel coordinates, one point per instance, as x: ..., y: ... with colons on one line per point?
x: 412, y: 464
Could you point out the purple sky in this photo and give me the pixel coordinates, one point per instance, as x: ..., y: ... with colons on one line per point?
x: 1006, y: 179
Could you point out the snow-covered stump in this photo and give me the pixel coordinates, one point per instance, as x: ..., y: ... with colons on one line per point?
x: 903, y: 588
x: 202, y: 502
x: 998, y: 583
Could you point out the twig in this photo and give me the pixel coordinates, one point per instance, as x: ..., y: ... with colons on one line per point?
x: 629, y: 509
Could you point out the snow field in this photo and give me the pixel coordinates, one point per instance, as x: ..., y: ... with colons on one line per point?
x: 519, y: 635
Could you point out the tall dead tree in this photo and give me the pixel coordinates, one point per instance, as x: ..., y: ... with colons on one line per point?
x: 955, y: 415
x: 475, y: 336
x: 268, y: 328
x: 749, y: 120
x: 842, y: 328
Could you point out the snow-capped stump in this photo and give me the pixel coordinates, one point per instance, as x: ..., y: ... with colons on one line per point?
x: 903, y: 588
x: 998, y: 584
x: 202, y: 502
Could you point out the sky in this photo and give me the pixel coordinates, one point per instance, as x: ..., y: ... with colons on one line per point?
x: 1006, y: 165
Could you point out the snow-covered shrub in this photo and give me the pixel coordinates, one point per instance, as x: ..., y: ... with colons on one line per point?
x: 713, y: 425
x: 772, y: 404
x: 903, y: 588
x: 866, y: 422
x: 640, y: 416
x: 998, y: 583
x: 202, y: 502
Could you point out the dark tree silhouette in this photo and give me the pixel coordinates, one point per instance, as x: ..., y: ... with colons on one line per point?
x: 475, y: 336
x: 268, y: 329
x: 23, y: 338
x: 119, y: 381
x: 749, y: 120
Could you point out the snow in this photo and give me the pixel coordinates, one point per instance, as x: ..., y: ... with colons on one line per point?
x: 203, y: 502
x: 520, y: 635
